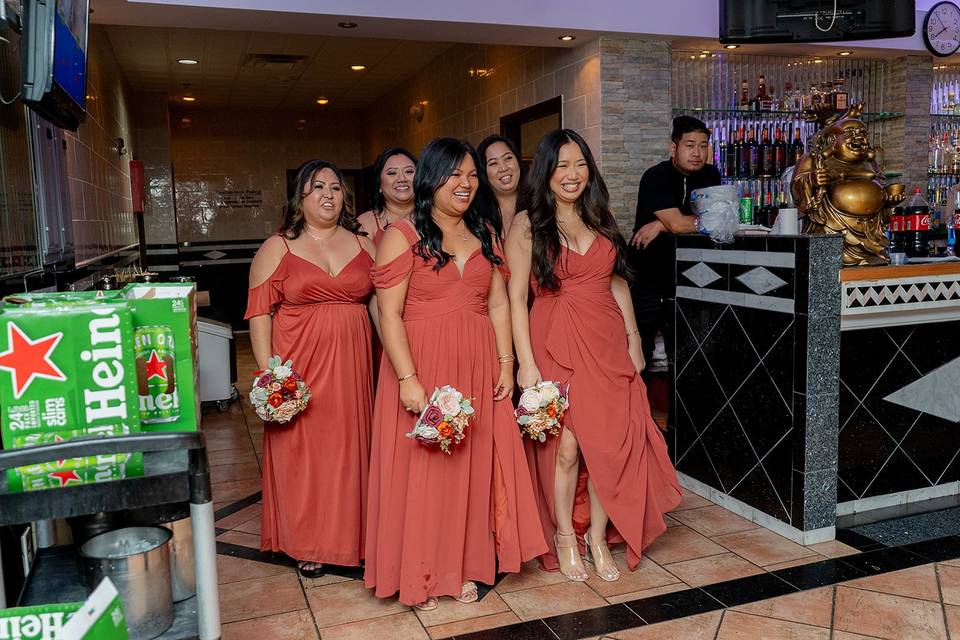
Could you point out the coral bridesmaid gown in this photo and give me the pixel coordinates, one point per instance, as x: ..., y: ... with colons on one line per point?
x: 315, y: 467
x: 436, y: 521
x: 578, y: 337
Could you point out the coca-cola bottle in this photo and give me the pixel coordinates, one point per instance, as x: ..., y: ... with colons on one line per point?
x: 917, y: 231
x: 895, y: 230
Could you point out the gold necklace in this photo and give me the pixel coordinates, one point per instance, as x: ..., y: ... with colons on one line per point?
x: 320, y: 238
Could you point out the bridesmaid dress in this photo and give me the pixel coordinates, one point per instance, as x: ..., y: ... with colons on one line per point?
x: 437, y: 521
x: 315, y: 467
x: 578, y: 337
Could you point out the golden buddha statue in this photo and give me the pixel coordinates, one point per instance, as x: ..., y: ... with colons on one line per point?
x: 839, y: 187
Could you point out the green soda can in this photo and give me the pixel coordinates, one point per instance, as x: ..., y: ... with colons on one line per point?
x: 746, y: 210
x: 156, y: 378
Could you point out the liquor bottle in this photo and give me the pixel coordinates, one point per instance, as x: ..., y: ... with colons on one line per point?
x: 733, y: 154
x: 936, y: 154
x: 796, y: 149
x: 753, y: 154
x: 841, y: 99
x: 779, y: 153
x: 745, y: 95
x: 721, y: 159
x: 744, y: 171
x: 917, y: 232
x: 761, y: 99
x: 768, y: 213
x: 766, y: 154
x: 786, y: 102
x: 769, y: 103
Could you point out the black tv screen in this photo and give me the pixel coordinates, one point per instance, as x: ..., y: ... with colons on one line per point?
x: 784, y: 21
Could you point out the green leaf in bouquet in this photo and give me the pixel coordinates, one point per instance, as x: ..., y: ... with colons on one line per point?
x: 542, y: 437
x: 467, y: 408
x: 288, y: 364
x: 523, y: 420
x: 273, y: 361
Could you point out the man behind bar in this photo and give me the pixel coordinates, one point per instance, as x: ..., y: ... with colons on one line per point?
x: 663, y: 208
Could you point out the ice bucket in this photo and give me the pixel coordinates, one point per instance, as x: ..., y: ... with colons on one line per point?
x: 182, y: 567
x: 137, y: 561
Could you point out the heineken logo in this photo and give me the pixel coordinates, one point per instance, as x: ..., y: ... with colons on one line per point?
x: 43, y: 626
x: 28, y: 359
x: 65, y: 477
x: 156, y: 367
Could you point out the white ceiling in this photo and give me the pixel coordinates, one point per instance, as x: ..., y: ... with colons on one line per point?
x: 148, y: 59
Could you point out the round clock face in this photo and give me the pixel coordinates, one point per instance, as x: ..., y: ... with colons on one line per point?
x: 941, y: 29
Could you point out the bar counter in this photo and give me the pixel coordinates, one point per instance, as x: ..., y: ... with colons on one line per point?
x: 806, y: 396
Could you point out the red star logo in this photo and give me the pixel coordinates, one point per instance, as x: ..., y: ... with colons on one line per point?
x: 65, y: 476
x: 27, y: 359
x: 156, y: 367
x: 57, y: 438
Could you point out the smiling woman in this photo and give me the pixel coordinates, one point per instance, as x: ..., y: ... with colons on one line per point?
x: 393, y: 185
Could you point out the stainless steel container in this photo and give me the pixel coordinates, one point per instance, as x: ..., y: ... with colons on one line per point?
x: 137, y: 561
x: 182, y: 567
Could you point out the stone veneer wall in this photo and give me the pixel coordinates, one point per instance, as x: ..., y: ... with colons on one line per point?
x: 470, y: 87
x: 908, y: 86
x: 635, y: 116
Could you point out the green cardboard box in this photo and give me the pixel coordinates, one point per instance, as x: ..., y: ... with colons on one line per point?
x: 68, y: 369
x: 165, y: 328
x: 41, y: 622
x: 99, y: 618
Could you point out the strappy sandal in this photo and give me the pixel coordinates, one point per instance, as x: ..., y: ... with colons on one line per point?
x: 603, y: 563
x: 311, y: 569
x: 568, y: 557
x: 468, y: 593
x: 427, y: 605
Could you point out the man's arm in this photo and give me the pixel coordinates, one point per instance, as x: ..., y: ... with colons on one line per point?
x: 675, y: 221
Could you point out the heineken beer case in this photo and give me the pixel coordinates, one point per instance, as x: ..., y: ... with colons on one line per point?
x: 40, y: 622
x: 68, y: 370
x: 165, y: 344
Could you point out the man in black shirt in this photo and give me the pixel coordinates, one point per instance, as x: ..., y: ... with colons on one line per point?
x: 663, y: 208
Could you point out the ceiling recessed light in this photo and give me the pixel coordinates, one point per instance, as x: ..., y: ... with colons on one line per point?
x: 731, y: 46
x: 358, y: 67
x: 323, y: 101
x: 845, y: 53
x: 817, y: 60
x: 188, y: 61
x: 347, y: 25
x: 567, y: 38
x: 704, y: 51
x: 188, y: 99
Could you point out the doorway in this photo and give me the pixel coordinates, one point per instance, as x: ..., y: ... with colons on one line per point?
x: 527, y: 126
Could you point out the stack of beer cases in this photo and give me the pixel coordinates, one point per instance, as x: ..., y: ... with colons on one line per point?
x: 95, y: 363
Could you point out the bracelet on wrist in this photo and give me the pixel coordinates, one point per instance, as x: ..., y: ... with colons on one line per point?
x: 635, y: 332
x: 406, y: 377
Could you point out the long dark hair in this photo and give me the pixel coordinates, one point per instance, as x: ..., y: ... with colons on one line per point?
x: 438, y: 160
x: 521, y: 178
x: 379, y: 202
x: 593, y: 207
x: 293, y: 218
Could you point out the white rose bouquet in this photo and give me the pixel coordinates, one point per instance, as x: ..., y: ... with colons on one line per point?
x: 541, y: 409
x: 444, y: 420
x: 279, y: 393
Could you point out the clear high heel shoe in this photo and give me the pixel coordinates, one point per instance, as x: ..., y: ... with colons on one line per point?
x: 568, y: 556
x: 602, y: 559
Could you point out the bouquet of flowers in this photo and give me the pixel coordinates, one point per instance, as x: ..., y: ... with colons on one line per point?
x: 444, y: 420
x: 541, y: 408
x: 278, y: 393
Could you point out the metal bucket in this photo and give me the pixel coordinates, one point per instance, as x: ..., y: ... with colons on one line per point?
x: 182, y: 568
x: 137, y: 561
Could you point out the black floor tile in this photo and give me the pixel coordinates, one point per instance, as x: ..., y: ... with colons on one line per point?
x: 233, y: 507
x: 593, y: 622
x: 936, y: 550
x: 883, y: 560
x: 671, y: 606
x: 858, y: 541
x: 819, y: 574
x: 733, y: 593
x: 533, y: 630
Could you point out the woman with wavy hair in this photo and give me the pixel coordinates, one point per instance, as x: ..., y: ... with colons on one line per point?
x: 309, y: 294
x: 503, y: 172
x: 607, y: 478
x: 439, y: 523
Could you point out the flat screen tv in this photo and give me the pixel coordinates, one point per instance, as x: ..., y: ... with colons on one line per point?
x: 54, y: 51
x: 784, y: 21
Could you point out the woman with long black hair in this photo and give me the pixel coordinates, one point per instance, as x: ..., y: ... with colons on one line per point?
x: 445, y: 320
x: 607, y: 477
x: 393, y: 196
x: 309, y: 291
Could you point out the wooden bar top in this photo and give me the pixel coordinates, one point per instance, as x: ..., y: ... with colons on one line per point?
x: 850, y: 274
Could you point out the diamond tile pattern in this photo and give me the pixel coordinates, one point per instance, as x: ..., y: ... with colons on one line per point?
x: 887, y: 447
x: 761, y: 280
x: 701, y: 274
x: 734, y: 393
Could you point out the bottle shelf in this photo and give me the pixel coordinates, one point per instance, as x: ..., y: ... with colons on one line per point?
x: 948, y: 174
x: 778, y: 115
x: 945, y: 116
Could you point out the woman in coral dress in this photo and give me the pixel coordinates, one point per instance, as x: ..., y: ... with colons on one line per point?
x: 308, y: 301
x: 607, y: 477
x: 437, y: 524
x: 393, y: 199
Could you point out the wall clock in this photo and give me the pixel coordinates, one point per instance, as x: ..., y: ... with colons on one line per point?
x: 941, y: 29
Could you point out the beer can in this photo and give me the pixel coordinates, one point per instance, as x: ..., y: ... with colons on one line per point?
x: 746, y: 210
x: 156, y: 379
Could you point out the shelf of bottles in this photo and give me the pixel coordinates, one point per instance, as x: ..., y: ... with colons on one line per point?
x: 943, y: 171
x: 753, y: 105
